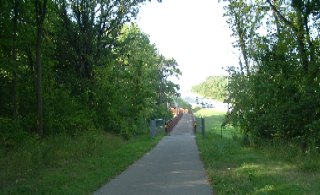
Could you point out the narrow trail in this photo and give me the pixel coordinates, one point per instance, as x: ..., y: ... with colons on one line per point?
x: 172, y: 167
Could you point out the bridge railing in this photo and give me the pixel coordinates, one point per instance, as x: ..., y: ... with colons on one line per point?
x: 170, y: 124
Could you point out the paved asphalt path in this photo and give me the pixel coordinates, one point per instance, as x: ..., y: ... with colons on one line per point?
x: 172, y: 167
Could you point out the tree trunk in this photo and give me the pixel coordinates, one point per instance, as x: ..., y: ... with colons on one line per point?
x: 14, y: 59
x: 299, y: 33
x: 243, y: 46
x: 40, y: 16
x: 301, y: 41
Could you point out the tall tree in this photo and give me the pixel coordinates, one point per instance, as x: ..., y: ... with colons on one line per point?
x: 79, y: 66
x: 168, y: 68
x: 244, y: 20
x: 279, y: 99
x: 14, y: 58
x: 40, y: 14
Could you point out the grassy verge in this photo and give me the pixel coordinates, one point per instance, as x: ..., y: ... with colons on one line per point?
x: 266, y: 168
x: 68, y: 165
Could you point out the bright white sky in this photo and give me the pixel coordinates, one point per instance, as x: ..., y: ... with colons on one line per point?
x: 194, y: 33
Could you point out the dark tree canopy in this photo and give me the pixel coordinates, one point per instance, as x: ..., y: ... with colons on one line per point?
x: 72, y: 66
x: 277, y: 97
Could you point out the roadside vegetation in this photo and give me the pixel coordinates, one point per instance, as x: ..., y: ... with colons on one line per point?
x: 237, y: 165
x: 274, y: 90
x: 214, y: 87
x: 79, y: 83
x: 270, y: 140
x: 69, y: 165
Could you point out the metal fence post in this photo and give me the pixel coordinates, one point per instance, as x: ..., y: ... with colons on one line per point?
x: 202, y: 126
x: 153, y: 128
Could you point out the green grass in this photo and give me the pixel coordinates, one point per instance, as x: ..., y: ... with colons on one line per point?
x: 68, y: 165
x: 264, y: 168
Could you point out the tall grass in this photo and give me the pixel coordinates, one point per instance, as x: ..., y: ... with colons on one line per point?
x: 235, y: 167
x: 68, y: 165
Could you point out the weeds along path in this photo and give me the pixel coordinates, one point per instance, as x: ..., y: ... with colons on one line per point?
x: 172, y: 167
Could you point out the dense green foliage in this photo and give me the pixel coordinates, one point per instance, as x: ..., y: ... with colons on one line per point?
x: 76, y: 77
x: 213, y: 87
x: 235, y: 166
x: 274, y: 93
x: 73, y: 66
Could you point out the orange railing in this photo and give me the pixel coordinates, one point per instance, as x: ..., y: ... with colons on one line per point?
x: 170, y: 124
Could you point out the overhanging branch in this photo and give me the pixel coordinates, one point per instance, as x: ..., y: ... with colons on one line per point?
x: 285, y: 20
